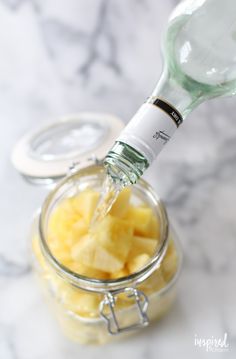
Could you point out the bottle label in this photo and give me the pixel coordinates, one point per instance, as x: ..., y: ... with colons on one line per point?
x: 151, y: 128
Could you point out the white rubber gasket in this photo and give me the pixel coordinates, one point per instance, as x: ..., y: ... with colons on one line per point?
x: 35, y: 167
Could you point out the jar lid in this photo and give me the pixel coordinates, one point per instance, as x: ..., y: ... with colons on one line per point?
x: 48, y: 152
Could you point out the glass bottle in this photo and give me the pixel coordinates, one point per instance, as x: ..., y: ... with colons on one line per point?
x: 200, y: 63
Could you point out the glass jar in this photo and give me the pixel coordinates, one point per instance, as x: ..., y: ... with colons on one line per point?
x: 95, y: 311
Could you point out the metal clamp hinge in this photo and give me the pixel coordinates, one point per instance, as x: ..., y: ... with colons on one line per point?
x: 108, y: 313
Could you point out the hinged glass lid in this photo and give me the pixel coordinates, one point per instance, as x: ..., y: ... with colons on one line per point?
x: 47, y: 153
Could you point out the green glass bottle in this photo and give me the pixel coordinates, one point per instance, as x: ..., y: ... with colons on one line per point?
x: 199, y: 63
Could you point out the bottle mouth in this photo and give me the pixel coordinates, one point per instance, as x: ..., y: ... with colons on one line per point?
x: 124, y: 164
x: 118, y: 169
x: 91, y: 176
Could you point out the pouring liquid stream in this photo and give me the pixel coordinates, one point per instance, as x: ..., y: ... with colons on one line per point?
x: 109, y: 193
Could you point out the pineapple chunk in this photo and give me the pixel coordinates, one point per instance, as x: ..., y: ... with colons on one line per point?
x: 138, y: 262
x: 78, y: 230
x: 170, y: 262
x: 115, y: 235
x: 121, y: 205
x: 155, y: 282
x: 60, y: 242
x: 74, y: 299
x: 85, y: 204
x: 141, y: 218
x: 105, y: 261
x: 91, y: 254
x: 60, y: 251
x: 84, y: 304
x: 84, y: 251
x: 143, y: 245
x: 107, y: 247
x: 61, y: 220
x: 121, y: 273
x: 86, y: 271
x: 154, y: 228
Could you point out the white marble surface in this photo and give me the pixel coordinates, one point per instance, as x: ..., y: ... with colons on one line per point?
x: 59, y: 56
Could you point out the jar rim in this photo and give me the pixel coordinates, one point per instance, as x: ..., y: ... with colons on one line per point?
x: 103, y: 285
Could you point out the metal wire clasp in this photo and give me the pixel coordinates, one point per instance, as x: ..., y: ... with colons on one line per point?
x: 107, y: 310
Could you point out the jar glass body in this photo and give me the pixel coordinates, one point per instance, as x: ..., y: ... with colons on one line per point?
x: 77, y: 301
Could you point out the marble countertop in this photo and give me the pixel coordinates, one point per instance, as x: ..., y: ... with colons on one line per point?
x: 61, y: 57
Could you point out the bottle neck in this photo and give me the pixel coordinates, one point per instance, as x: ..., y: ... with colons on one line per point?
x: 170, y: 91
x: 149, y: 130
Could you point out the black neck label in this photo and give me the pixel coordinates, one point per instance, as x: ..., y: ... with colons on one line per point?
x: 169, y: 109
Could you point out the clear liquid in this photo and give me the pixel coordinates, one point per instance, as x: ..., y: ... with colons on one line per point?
x: 109, y: 194
x: 124, y: 167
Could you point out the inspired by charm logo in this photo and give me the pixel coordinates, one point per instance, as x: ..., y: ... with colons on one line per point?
x: 212, y: 344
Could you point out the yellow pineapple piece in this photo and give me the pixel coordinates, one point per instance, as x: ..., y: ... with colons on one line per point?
x: 83, y: 252
x: 143, y: 245
x: 82, y: 269
x: 155, y: 282
x: 154, y: 228
x: 62, y: 219
x: 85, y: 204
x: 74, y: 299
x: 82, y: 303
x: 60, y: 251
x: 91, y: 254
x: 107, y: 246
x: 121, y: 273
x: 121, y: 205
x: 115, y: 235
x: 170, y: 262
x: 77, y: 231
x: 66, y: 206
x: 140, y: 217
x: 105, y: 261
x: 138, y: 262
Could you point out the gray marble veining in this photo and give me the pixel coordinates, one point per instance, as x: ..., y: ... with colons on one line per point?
x: 61, y: 57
